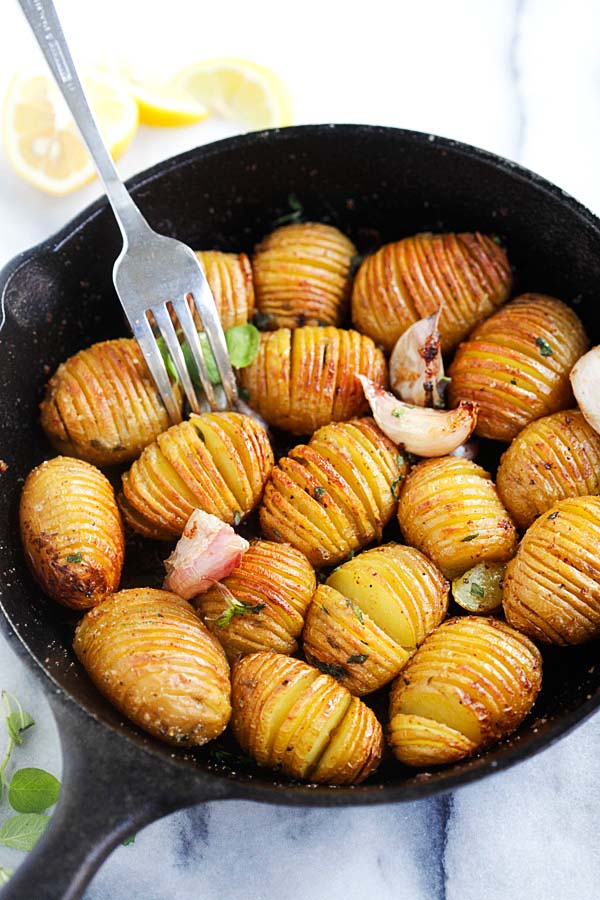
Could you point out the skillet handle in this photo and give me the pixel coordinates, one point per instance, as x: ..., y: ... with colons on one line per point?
x: 110, y: 789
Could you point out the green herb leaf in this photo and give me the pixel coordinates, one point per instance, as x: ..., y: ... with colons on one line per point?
x: 4, y: 875
x: 243, y: 342
x: 333, y: 669
x: 24, y: 831
x: 356, y: 610
x: 319, y: 492
x: 554, y: 515
x: 477, y: 590
x: 262, y: 320
x: 469, y: 537
x: 295, y: 214
x: 513, y: 380
x: 544, y: 347
x: 358, y: 658
x: 398, y: 413
x: 394, y: 486
x: 17, y: 723
x: 237, y: 517
x: 238, y: 609
x: 74, y: 558
x: 33, y: 790
x: 400, y: 460
x: 129, y: 841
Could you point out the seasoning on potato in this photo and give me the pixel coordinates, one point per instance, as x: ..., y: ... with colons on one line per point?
x: 150, y: 655
x: 71, y: 532
x: 371, y: 615
x: 229, y: 276
x: 335, y: 494
x: 554, y: 457
x: 262, y: 604
x: 552, y: 586
x: 471, y: 683
x: 307, y: 378
x: 516, y: 365
x: 479, y: 590
x: 216, y: 462
x: 468, y: 275
x: 302, y: 275
x: 289, y: 716
x: 450, y: 510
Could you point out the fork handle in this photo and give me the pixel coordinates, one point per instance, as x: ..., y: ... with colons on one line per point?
x: 45, y: 24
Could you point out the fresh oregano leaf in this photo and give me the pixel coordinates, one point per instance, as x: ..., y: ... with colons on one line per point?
x: 543, y: 346
x: 23, y: 832
x: 243, y: 342
x: 333, y: 669
x: 477, y: 590
x: 130, y: 840
x: 236, y: 608
x: 295, y: 214
x: 17, y: 723
x: 33, y: 790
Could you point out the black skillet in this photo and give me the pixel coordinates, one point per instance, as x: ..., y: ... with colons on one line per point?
x: 376, y: 184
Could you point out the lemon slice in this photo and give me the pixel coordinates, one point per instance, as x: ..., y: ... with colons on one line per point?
x: 163, y: 105
x: 239, y: 90
x: 41, y: 140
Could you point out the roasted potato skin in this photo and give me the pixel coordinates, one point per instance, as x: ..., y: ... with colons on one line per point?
x: 552, y: 586
x: 290, y: 717
x: 229, y: 276
x: 467, y: 274
x: 150, y: 655
x: 449, y: 510
x: 71, y: 532
x: 516, y: 365
x: 217, y: 462
x: 102, y: 405
x: 372, y: 614
x: 554, y: 457
x: 302, y: 275
x: 277, y: 583
x: 334, y: 494
x: 306, y: 378
x: 471, y: 683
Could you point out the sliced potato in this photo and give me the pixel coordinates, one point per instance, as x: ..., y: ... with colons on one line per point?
x: 479, y: 590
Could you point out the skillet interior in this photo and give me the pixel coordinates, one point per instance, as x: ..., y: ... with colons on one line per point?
x: 376, y: 184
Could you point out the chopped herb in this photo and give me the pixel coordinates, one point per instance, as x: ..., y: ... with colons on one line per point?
x: 469, y: 537
x: 394, y: 487
x: 400, y: 460
x: 237, y: 517
x: 262, y: 320
x: 319, y: 492
x: 276, y: 533
x: 325, y: 610
x: 497, y: 240
x: 513, y: 380
x: 295, y: 214
x: 358, y: 658
x: 544, y: 346
x: 398, y: 413
x: 243, y: 393
x: 238, y: 609
x: 333, y: 669
x: 74, y: 558
x: 554, y: 515
x: 477, y: 590
x: 356, y: 610
x: 226, y: 758
x: 130, y: 840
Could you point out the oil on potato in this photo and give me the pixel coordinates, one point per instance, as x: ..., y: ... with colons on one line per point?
x: 71, y: 532
x: 289, y: 716
x: 467, y: 275
x: 302, y: 275
x: 552, y: 586
x: 365, y: 623
x: 306, y: 378
x: 471, y: 683
x: 335, y: 494
x: 216, y: 462
x: 516, y: 365
x: 150, y: 655
x: 262, y: 604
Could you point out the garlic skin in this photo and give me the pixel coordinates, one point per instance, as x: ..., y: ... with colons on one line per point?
x: 422, y: 431
x: 416, y: 364
x: 585, y: 381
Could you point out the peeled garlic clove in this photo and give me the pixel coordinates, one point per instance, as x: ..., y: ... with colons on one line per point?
x: 422, y: 431
x: 416, y: 364
x: 585, y: 381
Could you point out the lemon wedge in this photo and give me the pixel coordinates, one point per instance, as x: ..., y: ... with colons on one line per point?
x: 238, y: 90
x: 41, y: 140
x: 160, y: 102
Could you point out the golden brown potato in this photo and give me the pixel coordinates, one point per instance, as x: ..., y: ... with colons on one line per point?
x: 468, y: 275
x: 302, y: 275
x: 516, y: 365
x: 149, y: 654
x: 471, y: 683
x: 552, y: 586
x: 306, y: 378
x: 336, y: 494
x: 216, y: 462
x: 288, y: 716
x: 102, y: 405
x: 229, y: 276
x: 262, y: 604
x: 71, y: 532
x: 555, y: 457
x: 449, y: 509
x: 365, y: 623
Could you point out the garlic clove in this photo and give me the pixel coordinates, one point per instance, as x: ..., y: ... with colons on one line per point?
x: 416, y: 364
x: 422, y: 431
x: 585, y: 381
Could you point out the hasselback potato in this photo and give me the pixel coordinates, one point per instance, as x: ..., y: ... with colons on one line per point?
x: 71, y: 532
x: 229, y: 276
x: 472, y: 682
x: 302, y: 275
x: 102, y: 405
x: 149, y: 654
x: 468, y: 275
x: 335, y: 494
x: 552, y: 586
x: 516, y: 365
x: 262, y: 604
x: 306, y: 378
x: 290, y: 717
x: 372, y: 614
x: 216, y: 462
x: 555, y: 457
x: 450, y: 510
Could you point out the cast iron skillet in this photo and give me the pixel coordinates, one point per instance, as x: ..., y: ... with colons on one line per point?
x: 376, y: 184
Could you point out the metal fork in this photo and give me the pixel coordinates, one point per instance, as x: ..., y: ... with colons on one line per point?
x: 152, y: 270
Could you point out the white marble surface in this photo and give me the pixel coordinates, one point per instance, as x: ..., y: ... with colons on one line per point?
x: 519, y: 77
